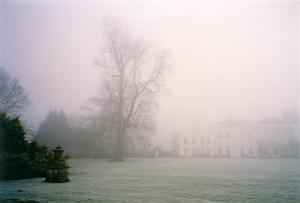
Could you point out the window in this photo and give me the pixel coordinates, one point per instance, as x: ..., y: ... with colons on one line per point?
x: 220, y: 135
x: 275, y: 149
x: 228, y: 135
x: 185, y: 151
x: 289, y: 131
x: 228, y: 151
x: 250, y: 151
x: 265, y: 150
x: 195, y: 152
x: 241, y: 135
x: 220, y: 150
x: 242, y: 151
x: 285, y: 151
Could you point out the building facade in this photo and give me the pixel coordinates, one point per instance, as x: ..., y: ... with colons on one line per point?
x: 265, y: 139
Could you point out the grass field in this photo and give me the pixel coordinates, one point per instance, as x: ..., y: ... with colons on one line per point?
x: 167, y: 180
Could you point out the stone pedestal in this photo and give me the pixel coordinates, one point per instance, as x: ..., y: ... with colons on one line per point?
x: 57, y: 169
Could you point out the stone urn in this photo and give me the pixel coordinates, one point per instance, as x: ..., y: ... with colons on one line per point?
x: 57, y: 168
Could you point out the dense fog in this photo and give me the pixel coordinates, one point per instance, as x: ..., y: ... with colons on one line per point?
x: 229, y: 61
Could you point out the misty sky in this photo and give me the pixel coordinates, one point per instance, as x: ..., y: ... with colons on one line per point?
x: 231, y: 60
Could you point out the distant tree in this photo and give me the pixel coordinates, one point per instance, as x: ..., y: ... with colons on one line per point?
x: 85, y: 143
x: 133, y: 75
x: 55, y: 130
x: 13, y: 98
x: 79, y: 138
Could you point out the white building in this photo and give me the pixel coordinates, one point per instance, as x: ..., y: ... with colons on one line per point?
x: 269, y: 138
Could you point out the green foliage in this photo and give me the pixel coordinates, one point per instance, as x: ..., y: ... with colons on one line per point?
x: 12, y: 135
x: 18, y: 157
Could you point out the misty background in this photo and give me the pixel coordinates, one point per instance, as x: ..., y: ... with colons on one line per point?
x: 230, y: 60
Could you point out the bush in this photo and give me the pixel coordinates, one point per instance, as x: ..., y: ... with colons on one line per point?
x: 18, y: 157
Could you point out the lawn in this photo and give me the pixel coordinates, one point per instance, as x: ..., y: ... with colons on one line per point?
x: 167, y: 180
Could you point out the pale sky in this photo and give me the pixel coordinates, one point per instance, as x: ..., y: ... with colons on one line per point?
x: 231, y: 60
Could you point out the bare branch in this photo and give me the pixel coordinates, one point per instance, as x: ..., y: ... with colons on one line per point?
x: 13, y: 99
x: 133, y: 77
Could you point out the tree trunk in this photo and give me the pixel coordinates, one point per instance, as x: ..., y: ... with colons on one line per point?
x: 119, y: 148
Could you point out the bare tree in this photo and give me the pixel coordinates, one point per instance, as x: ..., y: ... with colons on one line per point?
x: 133, y: 76
x: 13, y: 98
x: 98, y: 119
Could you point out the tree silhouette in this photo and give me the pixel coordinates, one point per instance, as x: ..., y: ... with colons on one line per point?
x: 133, y: 76
x: 13, y: 98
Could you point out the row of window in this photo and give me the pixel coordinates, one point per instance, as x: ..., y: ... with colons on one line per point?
x: 220, y: 151
x: 222, y: 135
x: 227, y: 135
x: 203, y: 141
x: 194, y: 141
x: 273, y: 151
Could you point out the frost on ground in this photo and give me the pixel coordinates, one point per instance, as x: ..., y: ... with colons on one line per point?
x: 166, y: 180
